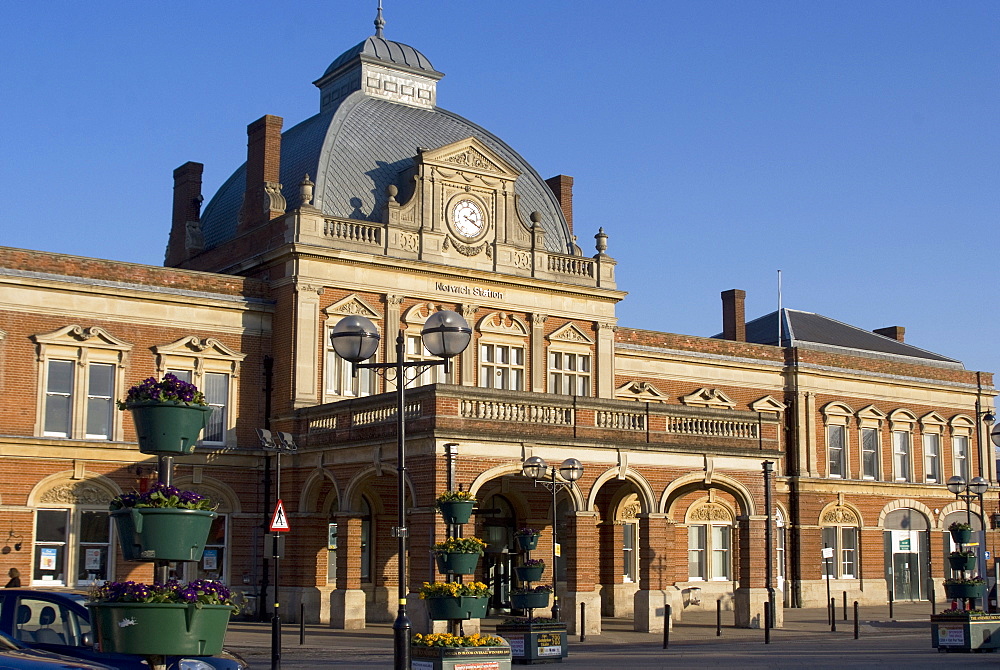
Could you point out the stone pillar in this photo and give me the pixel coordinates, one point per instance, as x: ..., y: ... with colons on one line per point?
x: 656, y: 537
x: 347, y: 602
x: 538, y: 363
x: 307, y: 343
x: 467, y: 359
x: 579, y: 544
x: 605, y: 368
x: 750, y: 599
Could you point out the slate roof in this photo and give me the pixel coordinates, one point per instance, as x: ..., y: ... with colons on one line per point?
x: 809, y: 330
x: 379, y: 48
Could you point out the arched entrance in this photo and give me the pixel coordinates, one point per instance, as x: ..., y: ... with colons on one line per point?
x: 499, y: 524
x: 907, y: 552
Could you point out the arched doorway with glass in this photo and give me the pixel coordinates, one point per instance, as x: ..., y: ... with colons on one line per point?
x: 499, y: 523
x: 907, y: 550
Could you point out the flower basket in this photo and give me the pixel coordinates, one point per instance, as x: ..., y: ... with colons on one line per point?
x: 963, y: 590
x: 457, y: 512
x: 168, y: 426
x: 174, y: 629
x: 460, y: 607
x: 436, y: 651
x: 457, y: 564
x: 527, y: 542
x: 523, y: 601
x: 166, y: 533
x: 529, y: 573
x: 962, y: 562
x: 961, y: 535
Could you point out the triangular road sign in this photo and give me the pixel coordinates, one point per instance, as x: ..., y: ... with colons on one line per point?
x: 279, y: 521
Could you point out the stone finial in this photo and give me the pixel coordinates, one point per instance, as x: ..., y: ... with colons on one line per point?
x: 379, y: 22
x: 602, y: 241
x: 536, y: 217
x: 306, y: 191
x: 392, y: 191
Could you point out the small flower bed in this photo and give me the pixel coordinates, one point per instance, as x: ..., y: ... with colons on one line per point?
x: 958, y: 525
x: 454, y: 590
x: 170, y: 388
x: 528, y: 531
x: 460, y: 545
x: 455, y: 496
x: 525, y: 590
x: 449, y: 640
x: 533, y: 563
x: 162, y: 496
x: 198, y: 592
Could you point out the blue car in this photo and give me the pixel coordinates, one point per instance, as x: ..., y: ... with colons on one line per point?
x: 59, y: 622
x: 15, y: 656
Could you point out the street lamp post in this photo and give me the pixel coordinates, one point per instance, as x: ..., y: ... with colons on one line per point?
x: 570, y: 470
x: 355, y: 339
x: 967, y: 491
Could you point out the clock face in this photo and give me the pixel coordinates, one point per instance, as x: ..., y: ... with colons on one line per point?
x: 467, y: 218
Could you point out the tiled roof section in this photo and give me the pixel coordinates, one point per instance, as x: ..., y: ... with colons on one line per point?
x: 805, y: 328
x: 378, y: 48
x: 354, y: 153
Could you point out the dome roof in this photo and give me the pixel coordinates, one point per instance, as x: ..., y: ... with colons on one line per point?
x: 379, y: 48
x: 354, y: 151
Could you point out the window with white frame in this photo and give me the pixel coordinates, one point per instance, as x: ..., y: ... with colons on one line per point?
x: 214, y: 369
x: 79, y: 373
x: 710, y: 531
x: 630, y: 557
x: 72, y: 547
x: 869, y: 453
x: 836, y: 448
x: 844, y: 542
x: 340, y: 378
x: 569, y: 373
x: 415, y: 351
x: 932, y: 458
x: 501, y: 366
x: 901, y: 457
x: 960, y: 455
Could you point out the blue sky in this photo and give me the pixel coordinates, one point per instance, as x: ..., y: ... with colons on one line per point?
x: 853, y: 145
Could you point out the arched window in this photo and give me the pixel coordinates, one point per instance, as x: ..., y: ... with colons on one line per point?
x: 841, y: 533
x: 710, y: 533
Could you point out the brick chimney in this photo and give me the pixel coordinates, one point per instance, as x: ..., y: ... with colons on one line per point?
x: 734, y: 320
x: 185, y: 226
x: 262, y: 200
x: 892, y: 332
x: 562, y: 187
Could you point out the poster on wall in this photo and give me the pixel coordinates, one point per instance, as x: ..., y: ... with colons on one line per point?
x: 92, y: 560
x: 47, y: 558
x: 210, y: 560
x: 905, y: 541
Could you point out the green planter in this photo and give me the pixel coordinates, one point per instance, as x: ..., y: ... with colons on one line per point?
x: 457, y: 512
x: 964, y: 632
x: 527, y: 542
x: 961, y: 536
x: 535, y: 643
x: 168, y: 427
x: 463, y: 607
x: 962, y: 562
x: 162, y: 533
x: 523, y: 601
x: 168, y: 629
x: 963, y: 590
x: 456, y: 658
x: 529, y: 574
x: 457, y: 564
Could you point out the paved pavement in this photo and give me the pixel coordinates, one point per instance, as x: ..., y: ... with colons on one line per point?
x: 903, y: 641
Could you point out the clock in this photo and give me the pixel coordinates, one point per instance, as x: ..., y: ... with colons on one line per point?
x: 467, y: 218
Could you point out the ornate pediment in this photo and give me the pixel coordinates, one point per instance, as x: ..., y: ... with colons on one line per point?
x: 502, y: 323
x: 571, y: 333
x: 352, y: 305
x: 421, y: 311
x: 706, y: 397
x: 78, y: 335
x: 202, y: 348
x: 77, y: 493
x: 768, y: 404
x: 710, y: 511
x: 840, y: 515
x: 641, y: 391
x: 468, y: 155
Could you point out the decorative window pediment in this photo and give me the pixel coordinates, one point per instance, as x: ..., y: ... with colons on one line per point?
x: 640, y: 391
x: 708, y: 512
x: 768, y: 404
x: 419, y: 313
x: 570, y: 334
x: 839, y: 515
x: 350, y: 306
x: 902, y: 419
x: 68, y: 492
x: 198, y: 350
x: 961, y: 424
x: 706, y: 397
x: 628, y: 509
x: 932, y: 422
x: 501, y: 323
x: 870, y: 416
x: 469, y: 154
x: 77, y: 336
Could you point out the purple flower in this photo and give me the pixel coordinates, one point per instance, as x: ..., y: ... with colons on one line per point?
x: 170, y: 388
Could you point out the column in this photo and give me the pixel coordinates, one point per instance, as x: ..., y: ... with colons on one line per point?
x: 307, y: 345
x: 750, y: 599
x: 580, y: 546
x: 347, y: 602
x: 538, y: 363
x: 656, y: 537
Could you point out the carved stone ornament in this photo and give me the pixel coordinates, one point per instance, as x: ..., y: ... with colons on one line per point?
x: 473, y: 159
x: 522, y: 260
x: 465, y: 249
x: 273, y: 200
x: 710, y: 512
x: 629, y: 509
x: 570, y: 333
x: 76, y: 493
x: 408, y: 242
x: 841, y: 516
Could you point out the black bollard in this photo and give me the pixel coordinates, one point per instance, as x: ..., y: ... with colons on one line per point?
x: 890, y: 603
x: 845, y: 605
x: 302, y: 623
x: 583, y: 622
x: 718, y: 618
x: 857, y: 628
x: 666, y: 629
x: 833, y: 615
x: 767, y: 624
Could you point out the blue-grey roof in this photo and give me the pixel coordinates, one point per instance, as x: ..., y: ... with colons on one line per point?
x: 355, y: 151
x: 806, y: 329
x: 379, y: 48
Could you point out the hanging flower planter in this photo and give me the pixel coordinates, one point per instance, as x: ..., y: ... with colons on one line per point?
x: 527, y: 539
x: 457, y: 564
x: 444, y: 651
x: 962, y: 562
x: 964, y: 589
x: 529, y: 573
x: 461, y: 607
x: 961, y: 532
x: 523, y: 601
x: 169, y: 414
x: 167, y: 534
x: 455, y: 506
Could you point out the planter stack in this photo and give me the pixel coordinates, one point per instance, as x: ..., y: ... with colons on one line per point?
x: 455, y: 566
x: 964, y: 629
x: 527, y: 576
x: 163, y: 535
